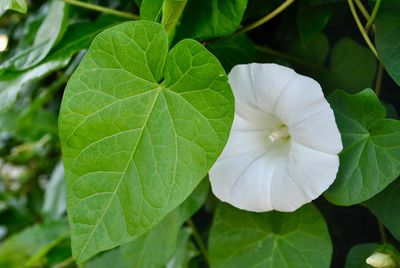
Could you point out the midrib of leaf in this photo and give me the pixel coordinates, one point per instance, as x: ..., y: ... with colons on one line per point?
x: 122, y: 176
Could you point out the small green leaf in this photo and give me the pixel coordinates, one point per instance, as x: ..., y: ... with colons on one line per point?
x: 358, y: 254
x: 388, y: 35
x: 172, y: 11
x: 211, y: 18
x: 311, y: 20
x: 274, y: 239
x: 16, y: 5
x: 370, y: 157
x: 237, y: 49
x: 31, y: 243
x: 49, y: 33
x: 134, y: 149
x: 151, y: 10
x: 352, y: 66
x: 385, y: 206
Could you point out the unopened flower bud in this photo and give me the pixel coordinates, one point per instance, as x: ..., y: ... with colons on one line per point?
x: 380, y: 260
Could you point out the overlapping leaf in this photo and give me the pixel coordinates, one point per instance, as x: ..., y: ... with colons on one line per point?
x: 140, y: 127
x: 388, y: 35
x: 274, y: 239
x: 371, y: 155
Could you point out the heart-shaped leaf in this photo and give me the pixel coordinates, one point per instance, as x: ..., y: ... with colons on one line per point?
x: 134, y: 147
x: 274, y: 239
x: 371, y: 155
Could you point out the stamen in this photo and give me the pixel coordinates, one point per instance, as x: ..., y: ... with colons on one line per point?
x: 279, y: 134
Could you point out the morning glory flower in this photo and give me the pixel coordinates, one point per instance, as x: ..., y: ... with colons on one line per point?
x: 283, y: 148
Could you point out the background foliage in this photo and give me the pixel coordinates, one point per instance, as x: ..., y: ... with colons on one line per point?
x: 351, y: 48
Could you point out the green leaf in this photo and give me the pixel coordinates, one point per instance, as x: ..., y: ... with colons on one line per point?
x: 311, y: 20
x: 370, y: 157
x: 16, y: 5
x: 385, y: 206
x: 49, y: 33
x: 172, y: 11
x: 31, y: 243
x: 388, y: 35
x: 352, y: 67
x: 237, y: 49
x: 211, y: 18
x: 55, y: 198
x: 151, y: 10
x: 358, y: 254
x: 274, y: 239
x: 133, y: 148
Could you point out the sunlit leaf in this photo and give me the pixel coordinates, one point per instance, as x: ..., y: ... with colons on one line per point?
x: 155, y: 120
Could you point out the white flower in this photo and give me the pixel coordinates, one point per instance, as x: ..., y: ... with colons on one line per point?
x: 283, y: 147
x: 380, y: 260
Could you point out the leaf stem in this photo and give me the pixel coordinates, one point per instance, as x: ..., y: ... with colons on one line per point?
x: 382, y: 232
x: 363, y: 10
x: 373, y: 15
x: 266, y: 18
x: 378, y: 81
x: 362, y: 30
x: 198, y: 239
x: 64, y: 263
x: 102, y: 9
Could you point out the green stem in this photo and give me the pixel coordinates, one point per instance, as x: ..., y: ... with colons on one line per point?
x: 363, y: 10
x: 373, y: 15
x: 378, y: 81
x: 198, y: 239
x: 106, y: 10
x: 362, y: 30
x: 266, y: 18
x: 64, y: 263
x: 382, y: 232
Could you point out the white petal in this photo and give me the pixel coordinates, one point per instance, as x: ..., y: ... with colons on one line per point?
x: 225, y: 174
x: 319, y: 132
x: 301, y: 99
x: 245, y: 181
x: 257, y: 86
x: 308, y: 174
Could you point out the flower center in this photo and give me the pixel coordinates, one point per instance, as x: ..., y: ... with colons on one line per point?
x: 279, y: 134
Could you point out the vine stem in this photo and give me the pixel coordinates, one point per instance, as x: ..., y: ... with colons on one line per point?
x: 362, y: 30
x: 198, y: 239
x: 64, y: 263
x: 266, y: 18
x: 378, y: 81
x: 373, y: 15
x: 102, y: 9
x: 382, y: 232
x: 362, y: 9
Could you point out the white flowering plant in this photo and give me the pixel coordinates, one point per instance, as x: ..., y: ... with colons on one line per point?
x: 199, y: 133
